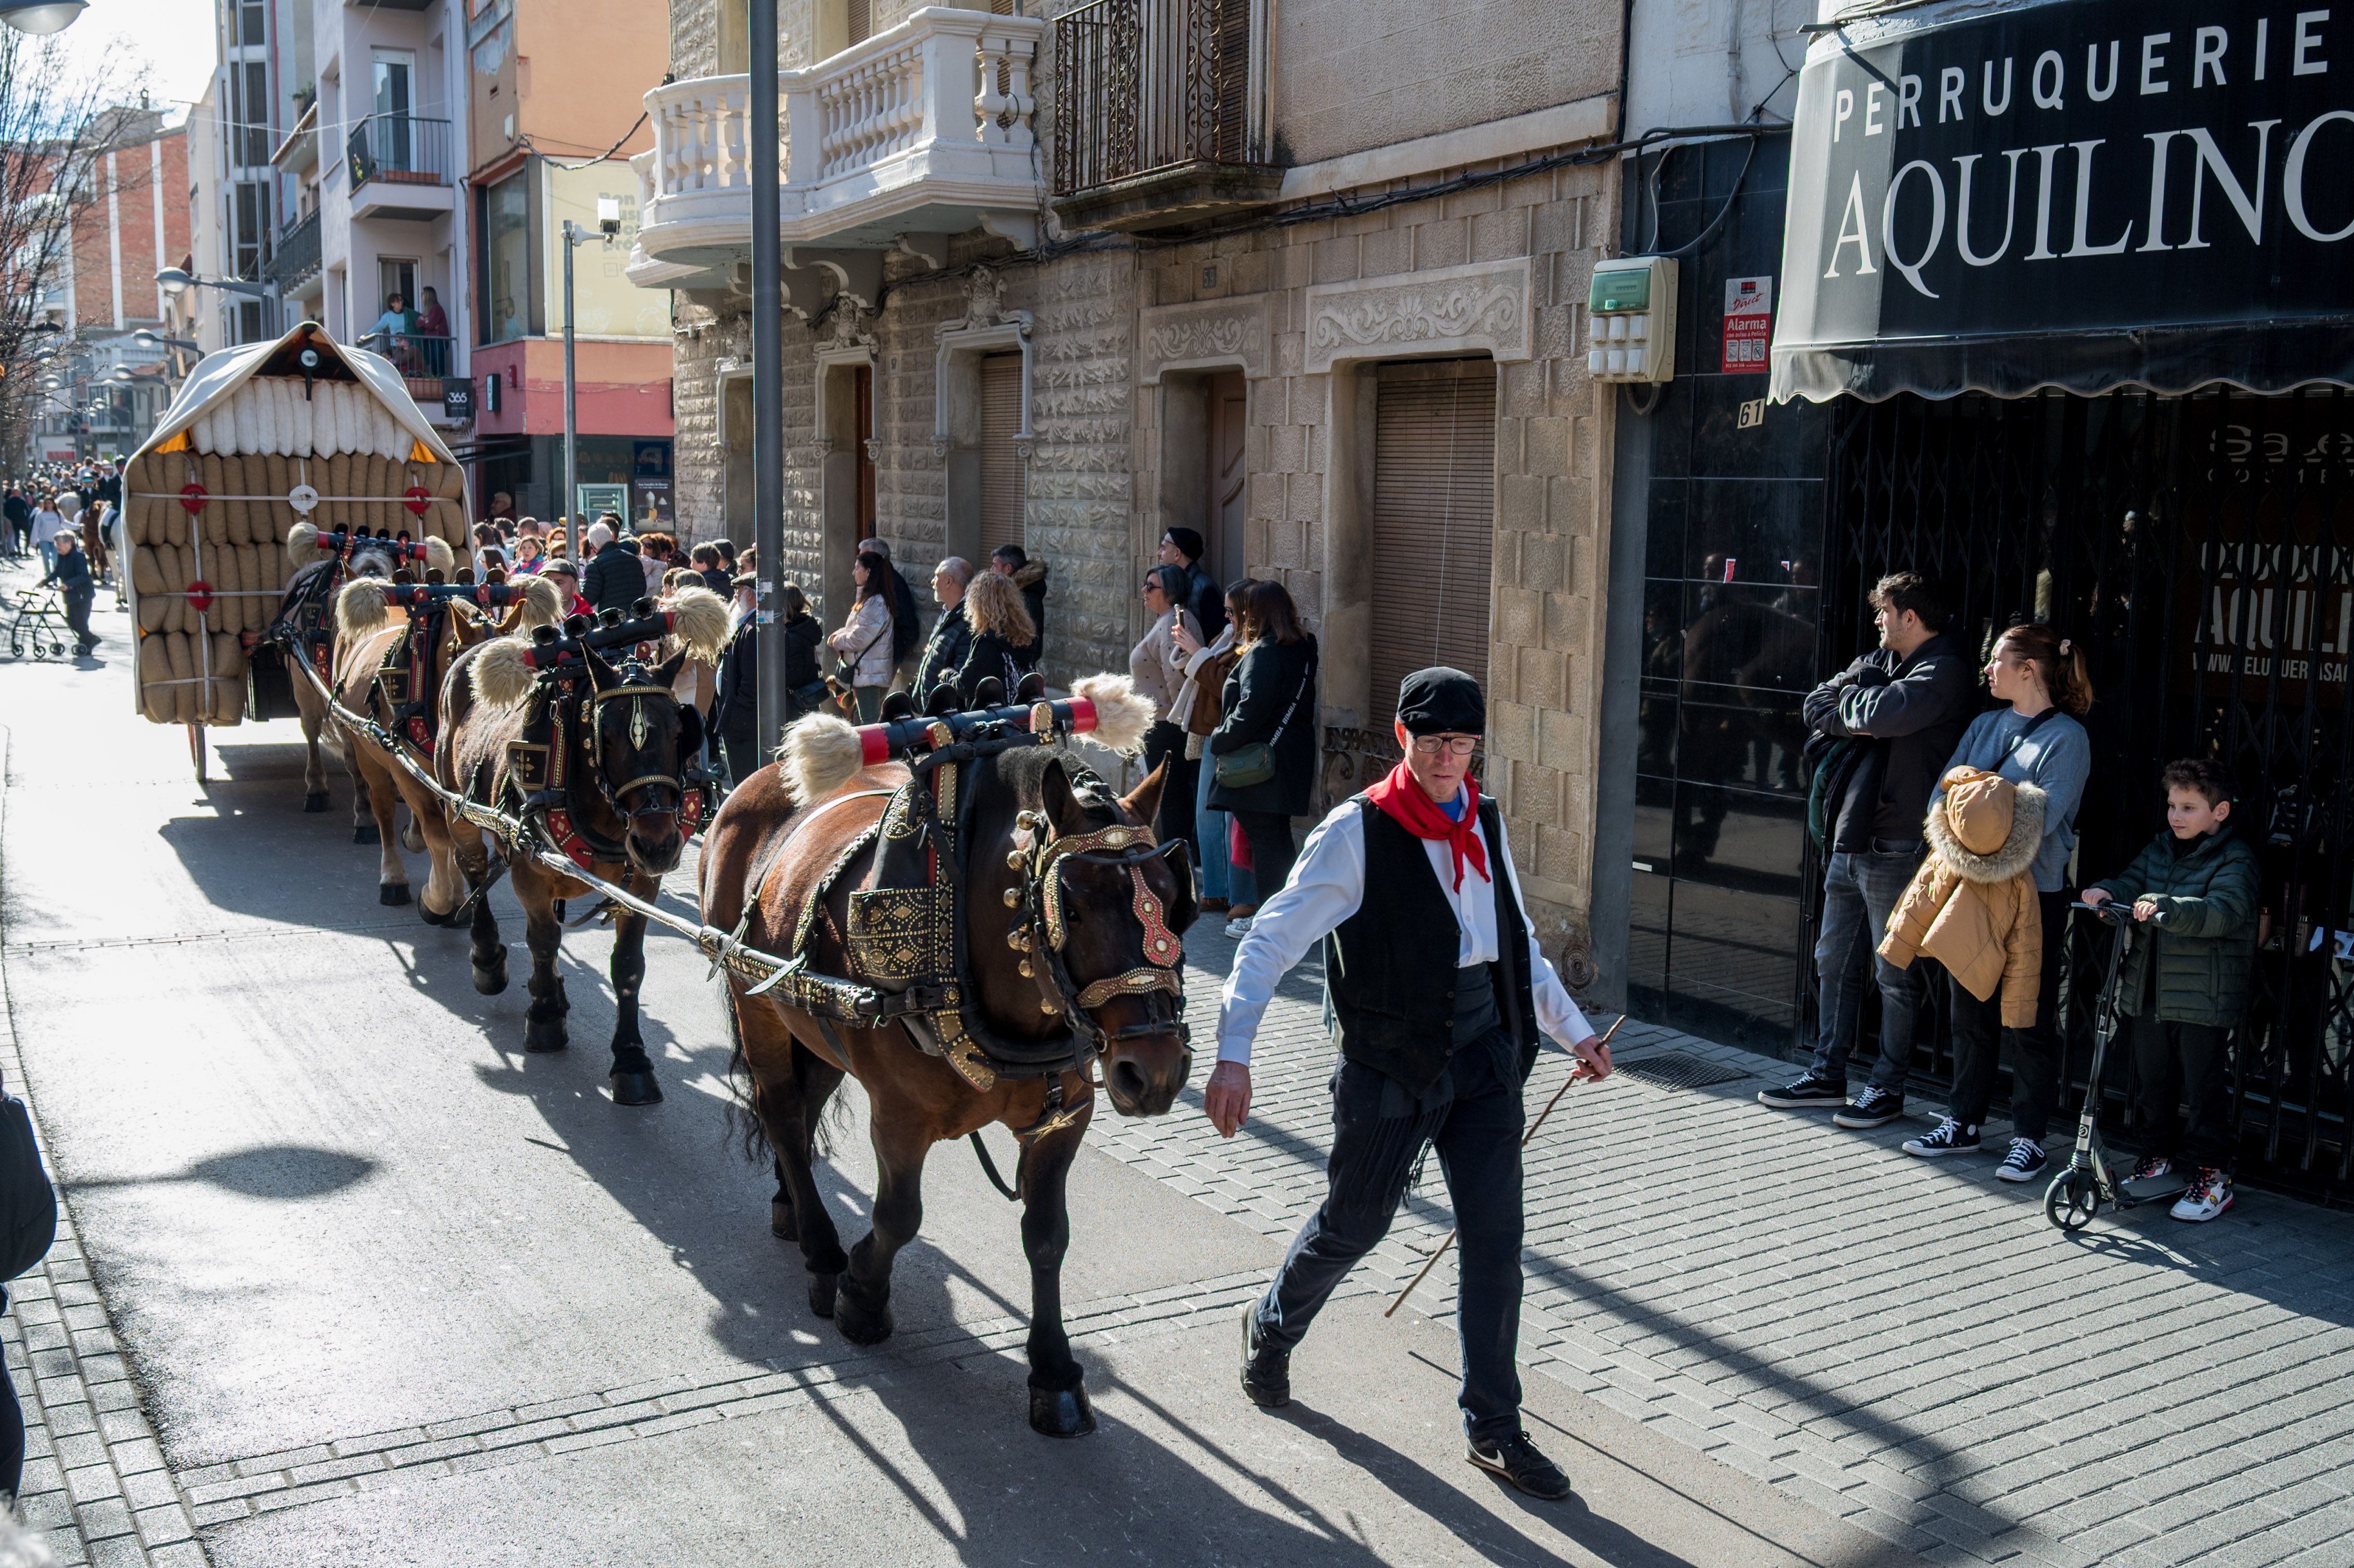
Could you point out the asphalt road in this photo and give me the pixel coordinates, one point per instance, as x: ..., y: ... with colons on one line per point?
x: 335, y: 1210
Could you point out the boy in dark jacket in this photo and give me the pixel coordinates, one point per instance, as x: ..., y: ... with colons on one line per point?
x: 2185, y: 983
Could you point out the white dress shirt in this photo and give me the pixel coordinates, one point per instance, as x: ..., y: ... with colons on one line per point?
x: 1328, y: 885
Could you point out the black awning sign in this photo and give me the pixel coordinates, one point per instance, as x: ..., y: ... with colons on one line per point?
x: 2080, y: 192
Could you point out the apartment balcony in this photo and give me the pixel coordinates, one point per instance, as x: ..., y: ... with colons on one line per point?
x: 293, y: 266
x: 1155, y: 122
x: 401, y: 168
x: 918, y: 134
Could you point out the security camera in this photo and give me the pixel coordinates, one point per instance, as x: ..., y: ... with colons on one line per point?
x: 608, y: 215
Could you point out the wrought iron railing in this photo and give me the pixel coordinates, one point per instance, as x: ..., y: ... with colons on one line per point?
x: 296, y: 260
x: 401, y: 149
x: 1147, y: 85
x: 422, y: 358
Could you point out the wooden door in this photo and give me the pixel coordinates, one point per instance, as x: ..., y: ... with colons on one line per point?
x: 1225, y: 478
x: 862, y: 397
x: 1001, y: 485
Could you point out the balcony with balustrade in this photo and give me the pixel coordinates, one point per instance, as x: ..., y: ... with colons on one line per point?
x: 916, y: 133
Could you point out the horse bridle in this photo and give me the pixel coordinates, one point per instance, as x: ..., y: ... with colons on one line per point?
x: 653, y: 783
x: 1043, y: 930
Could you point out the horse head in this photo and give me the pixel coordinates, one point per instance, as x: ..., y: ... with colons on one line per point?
x: 642, y: 744
x: 1100, y: 908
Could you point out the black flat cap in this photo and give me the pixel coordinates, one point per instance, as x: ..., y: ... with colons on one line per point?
x: 1188, y: 542
x: 1441, y: 701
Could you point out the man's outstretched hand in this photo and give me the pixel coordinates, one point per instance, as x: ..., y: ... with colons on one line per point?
x: 1593, y: 1055
x: 1226, y: 1097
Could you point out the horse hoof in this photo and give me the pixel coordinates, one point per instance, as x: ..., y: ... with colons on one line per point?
x: 859, y: 1325
x: 636, y: 1089
x: 1061, y: 1413
x: 491, y: 983
x: 822, y: 1293
x: 429, y: 918
x: 317, y: 802
x: 539, y: 1038
x: 393, y: 893
x: 366, y: 833
x: 783, y: 1223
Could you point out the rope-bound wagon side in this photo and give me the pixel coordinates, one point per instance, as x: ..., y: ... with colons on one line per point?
x: 266, y: 448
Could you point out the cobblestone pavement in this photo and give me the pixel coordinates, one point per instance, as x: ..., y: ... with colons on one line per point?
x: 1904, y: 1344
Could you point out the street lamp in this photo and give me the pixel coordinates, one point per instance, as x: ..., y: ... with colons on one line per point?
x: 175, y: 281
x: 609, y: 225
x: 42, y: 16
x: 147, y: 339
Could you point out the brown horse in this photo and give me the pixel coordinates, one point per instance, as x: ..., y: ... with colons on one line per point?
x: 305, y: 627
x: 391, y: 671
x: 779, y: 842
x: 605, y: 756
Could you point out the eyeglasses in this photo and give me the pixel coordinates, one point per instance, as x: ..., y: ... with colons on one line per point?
x: 1452, y: 745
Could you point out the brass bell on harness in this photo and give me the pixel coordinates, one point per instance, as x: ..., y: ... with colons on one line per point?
x: 1018, y: 940
x: 1025, y: 967
x: 1048, y: 1005
x: 1015, y: 860
x: 1013, y: 898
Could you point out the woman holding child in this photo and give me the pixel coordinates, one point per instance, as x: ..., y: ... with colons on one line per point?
x: 2001, y: 828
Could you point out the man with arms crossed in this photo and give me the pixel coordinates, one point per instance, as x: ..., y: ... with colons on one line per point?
x: 1436, y: 1043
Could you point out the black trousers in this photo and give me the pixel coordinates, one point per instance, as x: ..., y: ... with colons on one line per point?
x: 77, y: 617
x: 1272, y: 850
x: 2035, y: 1051
x: 2178, y: 1062
x: 743, y: 758
x: 1477, y: 1135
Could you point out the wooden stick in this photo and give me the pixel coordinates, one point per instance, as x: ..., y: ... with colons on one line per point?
x: 1440, y: 1250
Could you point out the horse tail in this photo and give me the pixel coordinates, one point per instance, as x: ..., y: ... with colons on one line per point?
x: 743, y: 1129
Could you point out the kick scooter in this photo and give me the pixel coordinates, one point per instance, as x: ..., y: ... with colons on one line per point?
x: 2077, y: 1192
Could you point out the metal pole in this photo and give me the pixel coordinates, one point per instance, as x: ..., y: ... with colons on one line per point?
x: 767, y: 372
x: 571, y: 408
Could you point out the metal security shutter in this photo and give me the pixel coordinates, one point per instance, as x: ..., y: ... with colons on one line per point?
x: 1000, y: 466
x: 860, y: 16
x: 1434, y: 520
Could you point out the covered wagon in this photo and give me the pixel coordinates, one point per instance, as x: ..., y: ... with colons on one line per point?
x: 292, y: 441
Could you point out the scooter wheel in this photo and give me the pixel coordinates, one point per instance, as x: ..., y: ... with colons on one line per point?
x: 2072, y: 1200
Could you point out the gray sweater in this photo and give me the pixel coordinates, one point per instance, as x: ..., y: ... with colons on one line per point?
x: 2056, y: 759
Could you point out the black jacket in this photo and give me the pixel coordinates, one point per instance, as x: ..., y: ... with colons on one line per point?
x: 735, y: 715
x: 18, y: 511
x: 906, y: 621
x: 944, y: 655
x: 1031, y: 580
x: 1916, y: 709
x: 614, y: 579
x: 992, y: 656
x: 715, y: 579
x: 1208, y: 603
x: 72, y: 574
x: 1257, y: 696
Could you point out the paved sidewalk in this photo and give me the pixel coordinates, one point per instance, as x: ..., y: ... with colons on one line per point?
x: 1904, y: 1344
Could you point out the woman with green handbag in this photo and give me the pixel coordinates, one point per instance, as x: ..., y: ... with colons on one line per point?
x: 1265, y: 750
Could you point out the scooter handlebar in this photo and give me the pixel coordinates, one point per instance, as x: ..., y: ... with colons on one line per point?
x: 2114, y: 912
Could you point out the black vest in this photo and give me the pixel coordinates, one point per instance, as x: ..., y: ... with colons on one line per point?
x: 1390, y: 971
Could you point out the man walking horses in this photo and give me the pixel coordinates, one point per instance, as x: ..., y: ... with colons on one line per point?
x: 1435, y: 1045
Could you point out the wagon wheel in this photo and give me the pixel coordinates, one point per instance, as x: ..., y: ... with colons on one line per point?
x: 196, y: 750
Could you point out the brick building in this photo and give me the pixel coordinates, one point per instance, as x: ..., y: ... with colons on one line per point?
x: 1010, y: 318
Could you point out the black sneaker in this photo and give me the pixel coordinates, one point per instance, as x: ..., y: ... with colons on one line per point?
x: 1517, y: 1460
x: 1951, y: 1138
x: 1267, y: 1373
x: 1807, y: 1093
x: 2025, y: 1162
x: 1872, y: 1106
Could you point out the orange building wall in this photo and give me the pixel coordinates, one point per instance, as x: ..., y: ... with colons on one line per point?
x: 574, y: 73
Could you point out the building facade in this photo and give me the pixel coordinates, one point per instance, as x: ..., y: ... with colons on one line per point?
x: 550, y: 92
x: 1342, y: 336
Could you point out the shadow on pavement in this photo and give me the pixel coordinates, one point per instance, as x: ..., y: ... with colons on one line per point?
x: 289, y: 1172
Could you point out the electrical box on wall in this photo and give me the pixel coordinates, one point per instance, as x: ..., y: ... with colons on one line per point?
x: 1631, y: 320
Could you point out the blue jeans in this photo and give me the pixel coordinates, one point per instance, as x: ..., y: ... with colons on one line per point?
x: 49, y: 557
x: 1221, y: 878
x: 1859, y: 892
x: 1479, y: 1144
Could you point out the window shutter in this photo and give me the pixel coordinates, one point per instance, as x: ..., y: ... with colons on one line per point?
x: 860, y: 15
x: 1000, y: 466
x: 1433, y: 521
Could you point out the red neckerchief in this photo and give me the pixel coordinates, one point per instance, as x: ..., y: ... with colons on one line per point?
x: 1398, y: 795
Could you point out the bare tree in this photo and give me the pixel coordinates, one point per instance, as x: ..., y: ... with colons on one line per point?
x: 57, y: 118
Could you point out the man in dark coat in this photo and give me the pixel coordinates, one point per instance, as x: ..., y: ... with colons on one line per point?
x: 951, y: 640
x: 1030, y: 577
x: 614, y: 579
x: 1182, y: 548
x: 1436, y: 1041
x: 1904, y: 705
x: 19, y: 515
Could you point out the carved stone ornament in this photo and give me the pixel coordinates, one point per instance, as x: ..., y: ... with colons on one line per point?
x: 1487, y: 306
x: 847, y: 327
x: 1209, y: 335
x: 984, y: 298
